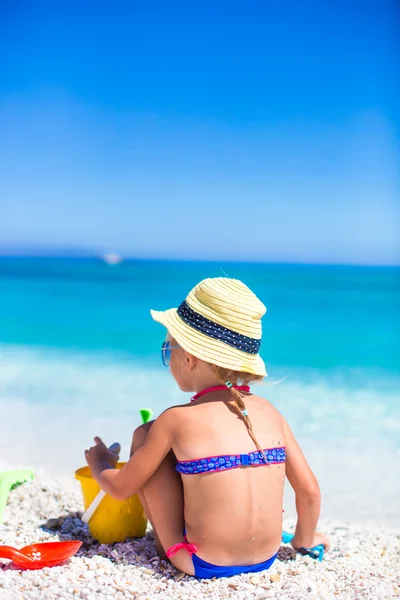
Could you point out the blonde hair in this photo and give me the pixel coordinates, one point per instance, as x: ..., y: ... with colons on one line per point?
x: 235, y: 378
x: 239, y: 378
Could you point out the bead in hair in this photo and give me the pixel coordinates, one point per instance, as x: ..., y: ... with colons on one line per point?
x: 228, y: 384
x: 244, y: 413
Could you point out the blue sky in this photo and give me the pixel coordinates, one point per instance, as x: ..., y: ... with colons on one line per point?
x: 260, y: 130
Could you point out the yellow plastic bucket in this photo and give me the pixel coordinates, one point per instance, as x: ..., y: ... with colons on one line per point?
x: 114, y: 520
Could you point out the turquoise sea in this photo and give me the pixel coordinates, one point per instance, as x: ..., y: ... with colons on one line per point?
x: 80, y: 355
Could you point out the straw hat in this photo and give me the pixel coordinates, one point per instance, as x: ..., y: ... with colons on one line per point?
x: 219, y: 322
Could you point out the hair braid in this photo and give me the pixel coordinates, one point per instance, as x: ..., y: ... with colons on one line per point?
x: 236, y: 378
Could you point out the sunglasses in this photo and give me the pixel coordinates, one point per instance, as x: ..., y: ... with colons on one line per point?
x: 166, y: 353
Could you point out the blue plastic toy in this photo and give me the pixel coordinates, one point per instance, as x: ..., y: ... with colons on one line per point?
x: 315, y: 552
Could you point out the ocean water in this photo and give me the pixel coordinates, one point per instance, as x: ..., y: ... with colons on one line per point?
x: 80, y: 355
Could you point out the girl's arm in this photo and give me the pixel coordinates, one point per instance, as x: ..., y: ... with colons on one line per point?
x: 124, y: 483
x: 308, y: 496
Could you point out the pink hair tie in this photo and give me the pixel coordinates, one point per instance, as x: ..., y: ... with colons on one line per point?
x: 191, y: 548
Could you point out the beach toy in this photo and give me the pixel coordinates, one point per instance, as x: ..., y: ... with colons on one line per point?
x: 38, y: 556
x: 88, y: 514
x: 315, y: 552
x: 9, y: 479
x: 146, y: 414
x: 113, y: 520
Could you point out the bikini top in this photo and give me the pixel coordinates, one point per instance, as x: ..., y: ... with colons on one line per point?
x: 231, y: 461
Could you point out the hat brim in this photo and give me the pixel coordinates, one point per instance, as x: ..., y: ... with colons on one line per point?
x: 206, y: 348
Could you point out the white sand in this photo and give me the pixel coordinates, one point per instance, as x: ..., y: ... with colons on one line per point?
x: 364, y: 562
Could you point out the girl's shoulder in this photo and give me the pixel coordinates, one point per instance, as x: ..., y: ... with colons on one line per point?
x: 171, y: 413
x: 263, y: 403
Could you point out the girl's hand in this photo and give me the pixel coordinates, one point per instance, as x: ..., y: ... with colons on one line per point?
x: 319, y: 539
x: 100, y: 454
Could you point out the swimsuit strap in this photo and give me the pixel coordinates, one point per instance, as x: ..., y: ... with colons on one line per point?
x: 191, y: 548
x: 231, y: 461
x: 217, y: 388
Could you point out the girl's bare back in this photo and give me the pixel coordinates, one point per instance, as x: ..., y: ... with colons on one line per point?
x: 235, y: 515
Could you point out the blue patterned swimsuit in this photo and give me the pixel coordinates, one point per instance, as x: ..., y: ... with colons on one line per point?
x: 231, y: 461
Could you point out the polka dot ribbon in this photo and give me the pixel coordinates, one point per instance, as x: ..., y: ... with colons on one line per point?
x: 213, y: 330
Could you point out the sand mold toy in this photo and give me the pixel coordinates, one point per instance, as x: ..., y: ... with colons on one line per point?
x: 111, y: 520
x: 10, y: 479
x: 315, y: 552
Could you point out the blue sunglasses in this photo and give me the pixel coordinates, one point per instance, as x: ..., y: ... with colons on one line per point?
x: 166, y: 353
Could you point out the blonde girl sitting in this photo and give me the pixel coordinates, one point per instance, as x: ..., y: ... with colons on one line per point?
x: 210, y: 473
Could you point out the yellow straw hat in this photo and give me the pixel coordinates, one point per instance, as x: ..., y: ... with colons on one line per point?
x: 220, y: 323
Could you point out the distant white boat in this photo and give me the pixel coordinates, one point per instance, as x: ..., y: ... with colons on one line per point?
x: 112, y: 259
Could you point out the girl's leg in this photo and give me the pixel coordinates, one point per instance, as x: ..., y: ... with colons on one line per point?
x: 162, y: 500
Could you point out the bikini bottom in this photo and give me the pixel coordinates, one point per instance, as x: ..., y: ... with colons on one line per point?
x: 206, y: 570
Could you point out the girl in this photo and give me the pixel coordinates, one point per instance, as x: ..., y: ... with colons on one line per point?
x: 210, y: 473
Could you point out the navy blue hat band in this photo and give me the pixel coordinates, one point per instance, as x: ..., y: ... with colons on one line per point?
x: 213, y: 330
